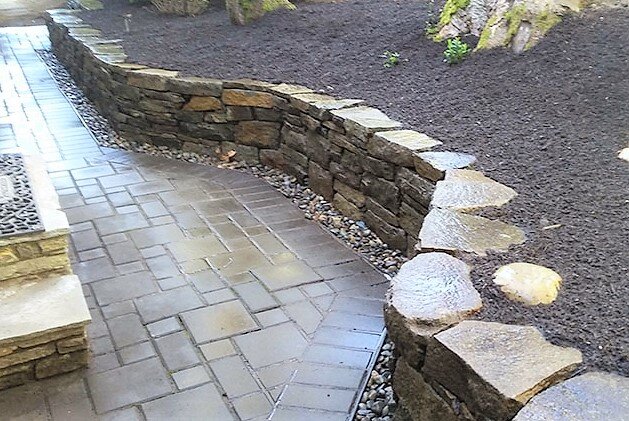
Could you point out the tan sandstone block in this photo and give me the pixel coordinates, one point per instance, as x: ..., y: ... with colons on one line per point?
x: 28, y: 250
x: 26, y: 355
x: 38, y: 265
x: 54, y: 244
x: 72, y: 344
x: 7, y: 256
x: 58, y: 364
x: 7, y: 350
x: 203, y: 103
x: 246, y: 98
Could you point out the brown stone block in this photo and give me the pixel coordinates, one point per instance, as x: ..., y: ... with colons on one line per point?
x: 272, y: 158
x: 247, y: 98
x: 348, y: 177
x: 320, y: 180
x: 238, y: 113
x: 382, y: 191
x: 415, y: 186
x: 195, y: 86
x: 58, y: 364
x: 393, y: 236
x: 419, y: 399
x: 155, y: 79
x: 346, y: 207
x: 76, y: 343
x: 262, y: 134
x: 28, y: 250
x: 22, y: 356
x: 353, y: 195
x: 243, y: 152
x: 203, y: 103
x: 8, y: 256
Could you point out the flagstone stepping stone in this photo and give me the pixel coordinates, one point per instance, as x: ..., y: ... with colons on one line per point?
x: 496, y: 368
x: 588, y: 397
x: 624, y: 154
x: 430, y: 292
x: 469, y: 190
x: 433, y: 165
x: 456, y: 231
x: 528, y: 283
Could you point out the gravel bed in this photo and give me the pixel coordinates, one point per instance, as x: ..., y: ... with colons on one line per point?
x: 548, y: 123
x: 378, y: 401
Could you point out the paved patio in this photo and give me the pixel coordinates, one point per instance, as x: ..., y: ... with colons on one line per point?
x: 211, y: 296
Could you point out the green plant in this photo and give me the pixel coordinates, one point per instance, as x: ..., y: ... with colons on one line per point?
x: 455, y: 51
x: 391, y: 58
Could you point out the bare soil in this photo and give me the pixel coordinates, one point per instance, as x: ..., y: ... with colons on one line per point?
x: 548, y: 123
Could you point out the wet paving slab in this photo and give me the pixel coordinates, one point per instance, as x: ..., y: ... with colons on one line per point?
x: 211, y: 296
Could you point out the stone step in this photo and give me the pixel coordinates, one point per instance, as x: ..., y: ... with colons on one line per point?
x: 45, y: 251
x: 43, y: 328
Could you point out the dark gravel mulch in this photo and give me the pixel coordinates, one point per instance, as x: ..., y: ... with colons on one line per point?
x: 548, y: 123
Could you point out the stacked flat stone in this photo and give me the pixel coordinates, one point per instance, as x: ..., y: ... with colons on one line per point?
x: 42, y: 308
x: 355, y: 156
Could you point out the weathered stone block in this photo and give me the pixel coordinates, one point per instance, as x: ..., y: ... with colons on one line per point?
x: 382, y: 213
x: 393, y: 236
x: 247, y: 98
x: 73, y: 344
x: 258, y: 133
x: 495, y: 368
x: 203, y: 103
x: 363, y: 121
x: 195, y: 86
x: 28, y: 250
x: 430, y: 292
x: 243, y: 152
x: 346, y: 207
x: 52, y: 245
x: 272, y: 158
x: 209, y: 131
x: 418, y: 398
x: 455, y: 231
x: 30, y: 354
x: 320, y: 180
x: 382, y: 191
x: 470, y: 190
x: 238, y: 113
x: 433, y: 165
x: 590, y: 396
x: 8, y: 256
x: 378, y: 167
x: 58, y: 364
x: 155, y: 79
x: 397, y: 146
x: 410, y: 219
x: 342, y: 174
x: 353, y: 195
x: 265, y: 114
x: 415, y: 186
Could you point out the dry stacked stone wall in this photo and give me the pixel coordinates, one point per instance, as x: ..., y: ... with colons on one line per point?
x: 353, y: 155
x: 415, y: 199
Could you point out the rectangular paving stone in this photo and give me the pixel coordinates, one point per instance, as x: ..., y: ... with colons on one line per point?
x: 94, y: 270
x: 218, y: 321
x: 229, y: 264
x: 355, y: 322
x: 271, y: 317
x: 162, y: 267
x: 286, y: 275
x: 206, y: 281
x: 124, y: 287
x: 123, y: 179
x: 163, y: 234
x: 177, y: 351
x: 142, y: 380
x: 271, y: 345
x: 88, y: 212
x: 251, y: 406
x: 137, y: 352
x: 318, y: 397
x: 202, y: 403
x: 255, y: 296
x: 219, y: 296
x: 218, y: 349
x: 190, y: 249
x: 316, y: 374
x: 126, y: 330
x: 120, y: 223
x: 191, y: 377
x: 85, y: 240
x: 150, y: 187
x: 346, y: 338
x: 305, y: 315
x: 325, y: 354
x: 123, y: 252
x: 168, y: 303
x: 234, y: 376
x: 303, y: 414
x: 164, y: 327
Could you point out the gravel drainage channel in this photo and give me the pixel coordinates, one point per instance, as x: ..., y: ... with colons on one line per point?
x: 377, y: 402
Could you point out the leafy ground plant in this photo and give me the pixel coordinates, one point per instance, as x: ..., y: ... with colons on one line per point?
x: 391, y: 58
x: 456, y: 51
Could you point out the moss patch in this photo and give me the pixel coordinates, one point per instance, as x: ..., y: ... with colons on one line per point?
x: 449, y: 9
x: 514, y: 18
x: 271, y: 5
x: 486, y: 34
x: 545, y: 21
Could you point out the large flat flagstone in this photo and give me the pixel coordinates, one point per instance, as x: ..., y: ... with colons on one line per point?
x: 218, y: 321
x: 285, y: 276
x: 496, y: 368
x: 272, y: 345
x: 588, y: 397
x: 469, y: 190
x: 202, y: 403
x: 33, y: 307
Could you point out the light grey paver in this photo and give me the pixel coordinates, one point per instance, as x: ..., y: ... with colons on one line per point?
x: 202, y: 403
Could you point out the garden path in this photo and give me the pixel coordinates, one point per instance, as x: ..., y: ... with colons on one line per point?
x: 211, y: 296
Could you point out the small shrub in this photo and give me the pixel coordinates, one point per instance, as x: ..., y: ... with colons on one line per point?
x: 391, y: 58
x: 181, y: 7
x: 456, y: 51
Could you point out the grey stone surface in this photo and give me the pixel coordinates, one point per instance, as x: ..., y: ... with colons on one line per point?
x: 200, y: 403
x: 588, y: 397
x: 469, y: 190
x: 218, y: 321
x: 495, y: 368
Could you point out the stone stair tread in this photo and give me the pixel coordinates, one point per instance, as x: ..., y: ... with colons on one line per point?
x: 31, y: 308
